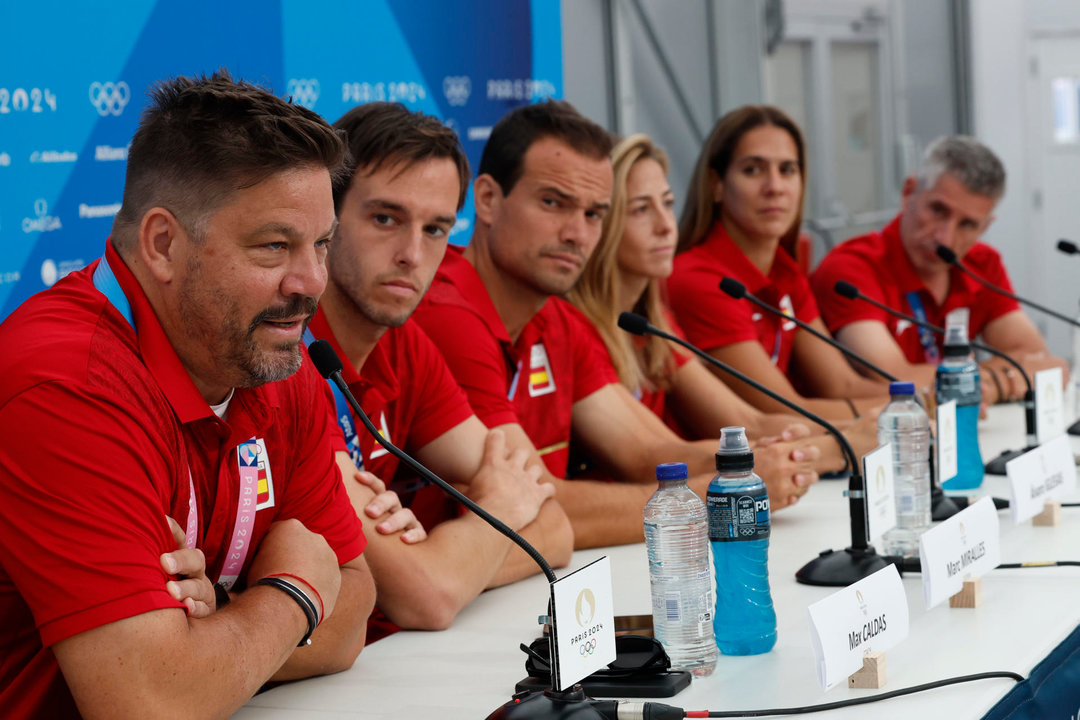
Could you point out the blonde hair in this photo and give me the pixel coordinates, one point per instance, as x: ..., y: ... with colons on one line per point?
x: 701, y: 212
x: 596, y: 291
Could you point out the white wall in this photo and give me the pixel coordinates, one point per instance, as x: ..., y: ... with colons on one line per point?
x: 1001, y: 42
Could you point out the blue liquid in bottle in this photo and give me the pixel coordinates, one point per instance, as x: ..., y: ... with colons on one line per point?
x: 738, y: 504
x: 958, y: 379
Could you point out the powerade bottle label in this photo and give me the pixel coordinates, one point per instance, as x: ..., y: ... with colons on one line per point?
x: 956, y: 384
x: 738, y: 516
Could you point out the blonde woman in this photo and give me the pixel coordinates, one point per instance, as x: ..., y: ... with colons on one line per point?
x: 625, y: 273
x: 744, y: 209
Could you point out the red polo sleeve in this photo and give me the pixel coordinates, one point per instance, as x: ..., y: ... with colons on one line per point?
x: 474, y: 357
x: 592, y: 364
x: 990, y: 305
x: 77, y: 480
x: 838, y: 311
x: 443, y: 404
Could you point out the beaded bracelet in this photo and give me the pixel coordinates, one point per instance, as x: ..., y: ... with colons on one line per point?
x: 301, y: 599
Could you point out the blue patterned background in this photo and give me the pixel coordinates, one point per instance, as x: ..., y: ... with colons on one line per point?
x: 73, y: 79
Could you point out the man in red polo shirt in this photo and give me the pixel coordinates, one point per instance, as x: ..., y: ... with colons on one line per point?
x: 160, y: 397
x: 394, y: 218
x: 530, y: 363
x: 949, y: 201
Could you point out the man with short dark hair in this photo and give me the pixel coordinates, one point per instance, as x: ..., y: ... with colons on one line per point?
x: 530, y: 363
x: 395, y: 213
x: 161, y: 398
x: 949, y: 201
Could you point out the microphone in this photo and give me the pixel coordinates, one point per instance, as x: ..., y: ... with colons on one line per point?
x: 830, y: 568
x: 997, y: 465
x: 950, y: 257
x: 546, y: 703
x: 1067, y: 246
x: 737, y: 290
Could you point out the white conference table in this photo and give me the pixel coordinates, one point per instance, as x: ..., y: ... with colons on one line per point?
x: 470, y: 669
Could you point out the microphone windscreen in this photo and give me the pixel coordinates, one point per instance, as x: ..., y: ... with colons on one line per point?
x: 633, y: 323
x: 846, y: 289
x: 325, y: 359
x: 1067, y: 247
x: 733, y: 287
x: 946, y: 254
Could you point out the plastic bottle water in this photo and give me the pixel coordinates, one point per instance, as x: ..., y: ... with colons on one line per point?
x: 745, y: 622
x: 904, y: 424
x: 958, y: 379
x: 676, y: 536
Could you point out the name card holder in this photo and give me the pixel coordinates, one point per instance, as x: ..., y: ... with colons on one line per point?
x: 1050, y: 516
x: 970, y: 595
x: 872, y: 674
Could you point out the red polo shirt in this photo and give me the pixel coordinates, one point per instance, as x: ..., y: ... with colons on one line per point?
x: 101, y: 429
x: 557, y: 360
x: 405, y: 388
x: 713, y: 319
x: 878, y: 265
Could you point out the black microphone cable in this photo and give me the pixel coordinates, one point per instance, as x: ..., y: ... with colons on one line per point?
x: 660, y: 711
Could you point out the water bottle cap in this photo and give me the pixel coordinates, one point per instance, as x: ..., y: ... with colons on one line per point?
x: 671, y: 471
x: 734, y: 451
x: 901, y: 388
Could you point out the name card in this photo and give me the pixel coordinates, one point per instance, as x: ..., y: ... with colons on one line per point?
x: 1049, y: 405
x: 966, y: 545
x: 946, y: 442
x: 880, y: 491
x: 870, y: 615
x: 582, y: 623
x: 1046, y: 473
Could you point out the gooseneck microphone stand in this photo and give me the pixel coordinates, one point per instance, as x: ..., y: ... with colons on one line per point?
x: 831, y: 568
x: 537, y: 705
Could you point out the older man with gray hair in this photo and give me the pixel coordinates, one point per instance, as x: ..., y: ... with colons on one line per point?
x: 949, y: 201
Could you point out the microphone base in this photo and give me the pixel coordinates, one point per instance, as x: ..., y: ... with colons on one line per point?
x: 572, y: 704
x: 997, y: 465
x: 942, y: 507
x: 840, y: 568
x: 1074, y: 429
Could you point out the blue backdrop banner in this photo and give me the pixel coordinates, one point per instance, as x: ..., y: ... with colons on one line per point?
x: 73, y: 80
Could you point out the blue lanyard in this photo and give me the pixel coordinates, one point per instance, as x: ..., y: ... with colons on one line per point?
x: 926, y: 338
x: 344, y: 415
x: 107, y: 284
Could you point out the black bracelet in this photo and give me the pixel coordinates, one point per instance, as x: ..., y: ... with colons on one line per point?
x: 301, y: 599
x: 221, y: 596
x: 851, y: 405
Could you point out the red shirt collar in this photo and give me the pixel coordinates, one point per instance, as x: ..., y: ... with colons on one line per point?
x: 160, y: 357
x: 783, y: 273
x: 377, y: 364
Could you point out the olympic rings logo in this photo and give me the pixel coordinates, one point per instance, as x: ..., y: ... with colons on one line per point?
x: 587, y: 648
x: 304, y: 92
x: 109, y: 98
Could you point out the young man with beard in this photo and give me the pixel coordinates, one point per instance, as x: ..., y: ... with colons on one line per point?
x: 395, y: 212
x: 160, y: 397
x: 529, y: 362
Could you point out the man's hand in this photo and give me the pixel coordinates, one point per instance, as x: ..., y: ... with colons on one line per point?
x: 386, y: 508
x: 193, y: 588
x: 786, y: 468
x: 289, y: 547
x: 505, y: 487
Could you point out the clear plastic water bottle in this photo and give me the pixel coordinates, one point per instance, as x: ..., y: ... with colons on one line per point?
x: 676, y: 537
x: 904, y: 424
x: 958, y: 379
x: 745, y: 622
